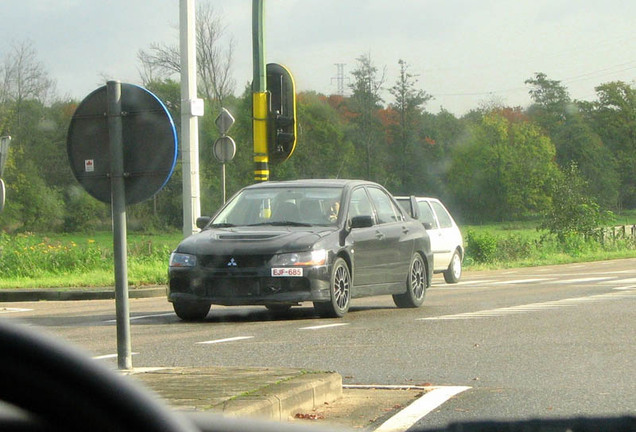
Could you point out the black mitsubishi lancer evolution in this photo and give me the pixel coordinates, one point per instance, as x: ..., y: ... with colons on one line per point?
x: 279, y: 244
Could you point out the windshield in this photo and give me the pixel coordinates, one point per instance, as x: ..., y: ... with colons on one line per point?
x: 275, y: 205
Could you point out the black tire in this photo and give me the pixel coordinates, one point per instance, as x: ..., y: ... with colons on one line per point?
x: 416, y: 285
x: 454, y: 272
x: 340, y: 291
x: 191, y: 311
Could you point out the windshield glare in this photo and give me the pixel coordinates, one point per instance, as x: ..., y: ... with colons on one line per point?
x: 314, y: 206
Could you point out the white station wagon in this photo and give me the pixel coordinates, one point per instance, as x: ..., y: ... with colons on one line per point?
x: 447, y: 243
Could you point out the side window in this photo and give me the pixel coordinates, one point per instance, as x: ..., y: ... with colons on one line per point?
x: 426, y: 213
x: 444, y: 218
x: 384, y: 206
x: 360, y: 204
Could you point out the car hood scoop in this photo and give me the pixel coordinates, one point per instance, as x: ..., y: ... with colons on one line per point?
x: 244, y: 236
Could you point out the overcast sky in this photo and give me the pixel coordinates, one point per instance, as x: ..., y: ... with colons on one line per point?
x: 463, y: 52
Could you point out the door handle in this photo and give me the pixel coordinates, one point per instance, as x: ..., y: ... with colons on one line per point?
x: 405, y: 230
x: 379, y: 235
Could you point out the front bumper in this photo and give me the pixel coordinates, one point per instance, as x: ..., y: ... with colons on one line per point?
x: 232, y: 287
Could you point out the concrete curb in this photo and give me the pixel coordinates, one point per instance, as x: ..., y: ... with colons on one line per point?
x: 283, y: 400
x: 24, y: 295
x: 266, y: 393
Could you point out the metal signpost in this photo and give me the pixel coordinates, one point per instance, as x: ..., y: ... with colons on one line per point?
x: 122, y: 146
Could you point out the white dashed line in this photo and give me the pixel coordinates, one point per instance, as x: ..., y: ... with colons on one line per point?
x: 628, y: 287
x: 14, y: 310
x: 522, y: 281
x: 238, y: 338
x: 420, y: 408
x: 109, y: 356
x: 320, y: 327
x: 622, y: 281
x: 534, y: 307
x: 473, y: 284
x: 591, y: 279
x: 143, y: 317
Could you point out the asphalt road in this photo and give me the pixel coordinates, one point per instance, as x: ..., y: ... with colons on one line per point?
x: 530, y: 343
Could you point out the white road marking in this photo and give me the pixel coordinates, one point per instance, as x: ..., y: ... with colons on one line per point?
x: 320, y: 327
x: 594, y: 273
x: 623, y: 281
x: 522, y: 281
x: 473, y: 284
x: 410, y: 415
x: 238, y: 338
x: 478, y: 281
x: 628, y: 287
x: 140, y: 370
x: 589, y: 279
x: 534, y: 307
x: 14, y: 310
x: 143, y: 317
x: 109, y: 356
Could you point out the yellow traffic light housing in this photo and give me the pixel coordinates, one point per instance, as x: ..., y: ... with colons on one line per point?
x: 281, y: 122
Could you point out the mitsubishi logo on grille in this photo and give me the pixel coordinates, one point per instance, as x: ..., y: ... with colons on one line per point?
x: 232, y: 263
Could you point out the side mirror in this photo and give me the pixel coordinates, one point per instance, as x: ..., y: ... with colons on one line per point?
x: 427, y: 225
x: 361, y: 222
x: 203, y: 221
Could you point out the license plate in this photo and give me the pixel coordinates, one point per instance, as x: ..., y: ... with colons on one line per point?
x: 287, y: 272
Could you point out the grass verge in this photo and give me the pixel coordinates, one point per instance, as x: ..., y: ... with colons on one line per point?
x: 29, y: 260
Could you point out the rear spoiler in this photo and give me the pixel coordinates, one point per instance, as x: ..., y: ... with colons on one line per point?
x: 414, y: 210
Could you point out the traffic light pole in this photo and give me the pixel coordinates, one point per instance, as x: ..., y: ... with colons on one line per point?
x: 260, y: 107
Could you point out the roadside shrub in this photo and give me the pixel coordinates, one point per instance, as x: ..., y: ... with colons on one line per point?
x: 28, y: 255
x: 88, y: 214
x: 514, y: 247
x: 481, y: 247
x: 572, y: 212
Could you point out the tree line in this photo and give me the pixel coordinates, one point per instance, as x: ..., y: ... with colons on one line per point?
x: 495, y: 163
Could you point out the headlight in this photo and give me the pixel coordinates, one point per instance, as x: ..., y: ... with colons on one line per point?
x: 182, y: 260
x: 311, y: 258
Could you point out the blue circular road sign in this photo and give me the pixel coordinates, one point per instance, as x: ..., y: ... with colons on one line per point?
x: 149, y: 143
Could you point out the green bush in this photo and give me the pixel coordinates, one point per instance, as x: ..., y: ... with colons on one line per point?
x: 514, y: 247
x: 481, y: 247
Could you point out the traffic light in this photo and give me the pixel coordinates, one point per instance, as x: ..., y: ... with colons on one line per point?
x: 281, y: 122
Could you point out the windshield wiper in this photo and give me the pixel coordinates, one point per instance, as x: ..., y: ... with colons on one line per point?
x: 283, y: 223
x: 222, y: 225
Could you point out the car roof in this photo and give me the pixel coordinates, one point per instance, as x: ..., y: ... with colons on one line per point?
x: 341, y: 183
